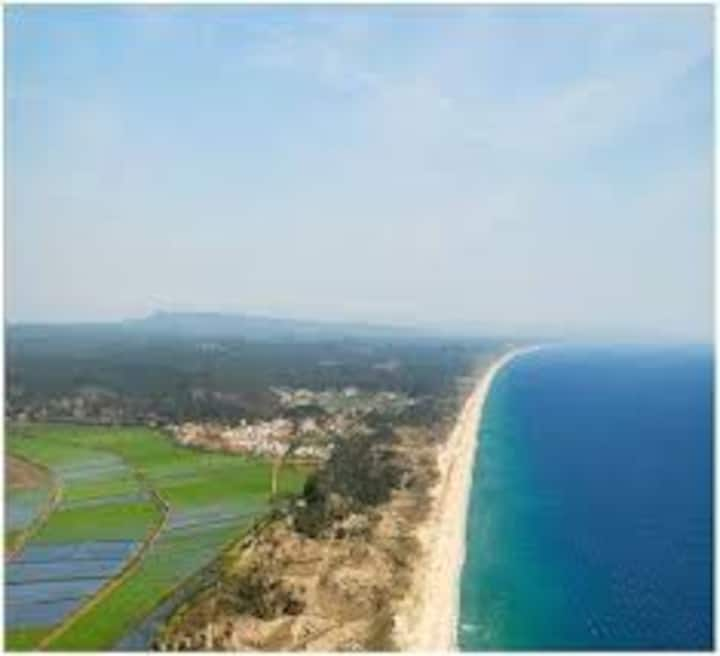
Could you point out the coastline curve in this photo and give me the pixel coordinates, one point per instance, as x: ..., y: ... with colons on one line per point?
x: 427, y: 618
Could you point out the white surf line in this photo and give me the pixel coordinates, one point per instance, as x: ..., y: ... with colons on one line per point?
x: 468, y: 458
x: 428, y: 619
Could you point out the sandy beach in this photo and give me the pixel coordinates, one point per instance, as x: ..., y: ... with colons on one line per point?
x: 427, y: 619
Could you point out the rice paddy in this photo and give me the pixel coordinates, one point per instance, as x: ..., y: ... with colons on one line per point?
x: 137, y: 515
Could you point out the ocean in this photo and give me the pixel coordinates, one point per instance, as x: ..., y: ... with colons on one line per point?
x: 590, y: 523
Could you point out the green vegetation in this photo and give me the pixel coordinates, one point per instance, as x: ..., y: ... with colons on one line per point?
x: 129, y: 521
x: 11, y: 536
x: 164, y: 568
x: 202, y: 499
x: 115, y: 374
x: 51, y: 446
x: 360, y: 473
x: 24, y: 639
x: 181, y: 505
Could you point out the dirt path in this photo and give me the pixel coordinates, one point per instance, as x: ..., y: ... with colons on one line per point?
x: 22, y: 474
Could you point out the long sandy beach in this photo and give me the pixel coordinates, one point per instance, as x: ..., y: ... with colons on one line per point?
x: 427, y: 619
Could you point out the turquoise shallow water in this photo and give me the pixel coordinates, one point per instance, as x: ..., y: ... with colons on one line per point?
x: 590, y: 521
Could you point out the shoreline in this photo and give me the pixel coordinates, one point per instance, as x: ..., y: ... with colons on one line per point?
x: 427, y: 618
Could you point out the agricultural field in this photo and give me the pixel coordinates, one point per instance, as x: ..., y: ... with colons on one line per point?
x: 120, y: 518
x: 29, y: 492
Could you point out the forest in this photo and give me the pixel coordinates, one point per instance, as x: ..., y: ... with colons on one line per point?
x: 174, y: 371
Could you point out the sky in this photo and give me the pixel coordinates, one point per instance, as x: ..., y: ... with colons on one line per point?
x: 542, y: 169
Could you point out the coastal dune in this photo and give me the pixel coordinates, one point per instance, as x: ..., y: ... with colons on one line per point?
x: 427, y: 618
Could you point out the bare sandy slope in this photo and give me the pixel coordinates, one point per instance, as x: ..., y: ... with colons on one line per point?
x: 427, y: 619
x: 20, y: 474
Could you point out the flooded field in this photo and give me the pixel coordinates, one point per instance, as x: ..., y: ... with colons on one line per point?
x: 48, y: 581
x: 137, y: 516
x: 29, y: 492
x: 23, y: 507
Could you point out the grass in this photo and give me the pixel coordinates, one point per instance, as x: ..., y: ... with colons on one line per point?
x: 171, y: 561
x: 117, y: 521
x: 49, y: 453
x: 94, y: 489
x: 96, y: 463
x: 24, y: 639
x: 11, y: 537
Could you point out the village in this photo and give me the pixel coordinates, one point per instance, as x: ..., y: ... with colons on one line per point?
x: 302, y: 423
x: 310, y: 424
x: 271, y: 439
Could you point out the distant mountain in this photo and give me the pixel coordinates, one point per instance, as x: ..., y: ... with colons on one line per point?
x: 219, y: 325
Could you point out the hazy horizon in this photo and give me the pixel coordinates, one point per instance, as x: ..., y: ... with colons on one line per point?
x: 537, y: 169
x: 436, y: 329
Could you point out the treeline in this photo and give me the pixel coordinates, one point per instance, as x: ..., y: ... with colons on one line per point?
x: 130, y: 376
x: 362, y: 472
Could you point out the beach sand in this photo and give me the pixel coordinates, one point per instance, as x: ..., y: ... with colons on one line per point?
x: 427, y: 618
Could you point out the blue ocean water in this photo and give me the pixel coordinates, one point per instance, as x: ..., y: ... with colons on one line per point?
x: 590, y: 522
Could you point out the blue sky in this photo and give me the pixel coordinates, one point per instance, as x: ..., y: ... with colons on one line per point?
x: 506, y: 168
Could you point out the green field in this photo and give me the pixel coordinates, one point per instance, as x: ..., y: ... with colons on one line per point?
x: 181, y: 505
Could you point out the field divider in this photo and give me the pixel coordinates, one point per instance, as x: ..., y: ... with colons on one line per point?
x: 196, y: 582
x: 208, y: 570
x: 128, y: 570
x: 50, y: 506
